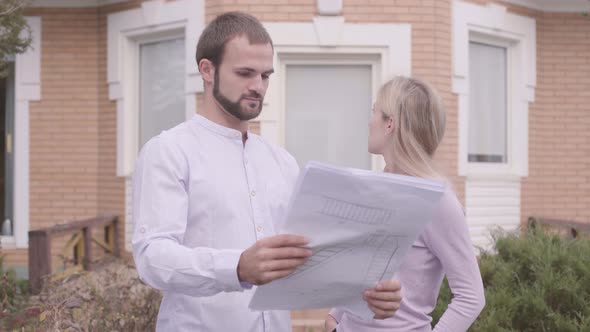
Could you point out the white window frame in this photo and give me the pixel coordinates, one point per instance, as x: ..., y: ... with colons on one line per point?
x: 154, y: 20
x: 331, y: 41
x: 492, y: 25
x: 490, y: 167
x: 27, y: 80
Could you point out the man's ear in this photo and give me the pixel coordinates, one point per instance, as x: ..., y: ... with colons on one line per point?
x: 207, y: 70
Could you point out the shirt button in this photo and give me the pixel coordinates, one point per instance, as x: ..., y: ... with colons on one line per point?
x: 259, y: 228
x: 142, y: 230
x: 253, y: 193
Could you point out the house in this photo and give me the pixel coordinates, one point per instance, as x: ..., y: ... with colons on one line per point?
x: 103, y: 76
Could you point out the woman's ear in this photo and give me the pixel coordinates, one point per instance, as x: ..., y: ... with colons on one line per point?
x: 207, y: 71
x: 390, y: 128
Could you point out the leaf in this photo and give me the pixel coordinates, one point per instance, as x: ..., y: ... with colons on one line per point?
x: 43, y: 315
x: 77, y: 314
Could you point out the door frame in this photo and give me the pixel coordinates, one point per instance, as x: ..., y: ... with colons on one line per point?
x: 343, y: 57
x: 8, y: 161
x: 27, y: 88
x: 328, y: 39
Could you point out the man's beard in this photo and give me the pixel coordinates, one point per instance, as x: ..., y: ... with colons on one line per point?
x: 234, y: 108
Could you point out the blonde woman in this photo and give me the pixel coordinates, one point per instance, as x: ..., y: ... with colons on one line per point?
x: 406, y: 126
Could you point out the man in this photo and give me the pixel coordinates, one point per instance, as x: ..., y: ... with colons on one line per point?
x: 207, y: 196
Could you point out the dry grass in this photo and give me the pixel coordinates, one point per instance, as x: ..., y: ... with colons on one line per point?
x: 111, y: 298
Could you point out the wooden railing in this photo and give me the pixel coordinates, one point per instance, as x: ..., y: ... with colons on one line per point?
x: 571, y: 228
x: 79, y: 244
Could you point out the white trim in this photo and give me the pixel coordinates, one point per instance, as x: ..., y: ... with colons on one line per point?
x: 387, y: 47
x: 73, y: 3
x: 329, y: 7
x: 491, y: 203
x: 493, y: 24
x: 125, y: 31
x: 27, y: 80
x: 7, y: 242
x: 565, y: 6
x: 129, y: 225
x: 327, y: 34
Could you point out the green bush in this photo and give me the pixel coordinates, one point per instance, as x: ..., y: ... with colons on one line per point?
x: 13, y: 297
x: 534, y: 282
x: 10, y: 287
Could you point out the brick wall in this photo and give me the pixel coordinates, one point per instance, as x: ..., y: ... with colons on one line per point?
x: 558, y: 185
x: 265, y: 10
x: 63, y: 125
x: 73, y: 127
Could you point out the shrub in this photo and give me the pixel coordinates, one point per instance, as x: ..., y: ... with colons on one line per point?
x: 111, y: 298
x: 534, y: 282
x: 13, y: 297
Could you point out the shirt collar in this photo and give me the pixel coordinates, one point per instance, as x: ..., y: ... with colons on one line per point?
x: 217, y: 128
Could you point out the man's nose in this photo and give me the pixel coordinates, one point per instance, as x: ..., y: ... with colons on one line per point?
x: 257, y: 85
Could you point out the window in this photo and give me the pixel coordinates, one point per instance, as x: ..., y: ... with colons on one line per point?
x: 494, y: 77
x: 161, y: 90
x: 488, y: 106
x: 142, y: 59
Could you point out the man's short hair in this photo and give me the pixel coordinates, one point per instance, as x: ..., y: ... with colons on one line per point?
x: 224, y: 28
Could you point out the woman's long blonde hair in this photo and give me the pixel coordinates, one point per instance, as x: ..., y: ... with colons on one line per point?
x: 419, y: 118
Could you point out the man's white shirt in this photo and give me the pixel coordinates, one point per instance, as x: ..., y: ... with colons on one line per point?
x: 200, y: 197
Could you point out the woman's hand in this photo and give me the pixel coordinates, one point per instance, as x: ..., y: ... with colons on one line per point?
x: 385, y: 299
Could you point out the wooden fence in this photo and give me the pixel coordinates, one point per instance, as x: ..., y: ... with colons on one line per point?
x: 80, y: 244
x: 569, y: 228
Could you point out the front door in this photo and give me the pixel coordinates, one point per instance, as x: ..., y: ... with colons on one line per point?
x: 327, y: 113
x: 7, y: 152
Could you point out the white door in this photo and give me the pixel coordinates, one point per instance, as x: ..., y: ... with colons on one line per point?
x: 327, y: 109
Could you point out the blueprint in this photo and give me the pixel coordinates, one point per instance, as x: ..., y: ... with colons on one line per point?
x: 360, y: 224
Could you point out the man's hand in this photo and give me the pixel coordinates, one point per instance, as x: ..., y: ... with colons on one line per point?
x: 272, y: 258
x: 384, y: 300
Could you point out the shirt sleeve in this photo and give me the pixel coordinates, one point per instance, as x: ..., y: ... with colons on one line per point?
x: 160, y: 214
x: 450, y: 242
x: 337, y: 313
